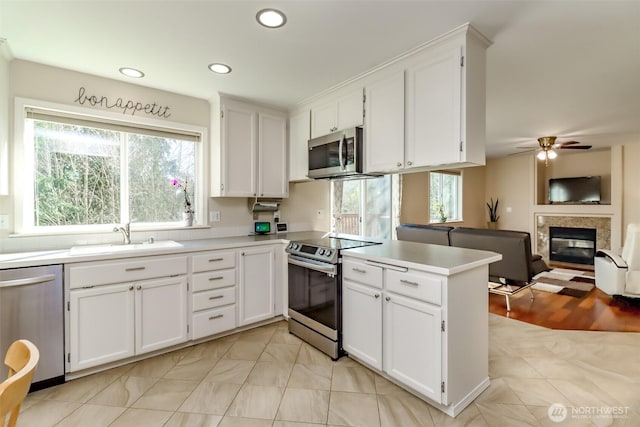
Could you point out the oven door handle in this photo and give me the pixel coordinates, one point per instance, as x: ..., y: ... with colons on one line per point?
x: 321, y: 267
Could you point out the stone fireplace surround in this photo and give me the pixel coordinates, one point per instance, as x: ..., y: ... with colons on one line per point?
x: 602, y: 224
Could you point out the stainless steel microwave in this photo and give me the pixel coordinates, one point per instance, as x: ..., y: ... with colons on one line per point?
x: 337, y: 155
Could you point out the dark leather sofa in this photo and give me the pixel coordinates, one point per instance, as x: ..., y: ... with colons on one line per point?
x: 518, y: 264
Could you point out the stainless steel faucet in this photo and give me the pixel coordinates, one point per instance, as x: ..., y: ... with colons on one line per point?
x: 126, y: 232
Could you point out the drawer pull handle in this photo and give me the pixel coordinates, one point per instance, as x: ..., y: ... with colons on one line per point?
x: 358, y: 270
x: 216, y: 278
x: 135, y: 268
x: 409, y: 282
x: 216, y: 259
x: 216, y: 297
x: 217, y: 316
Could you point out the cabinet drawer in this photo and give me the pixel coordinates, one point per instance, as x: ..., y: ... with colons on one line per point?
x: 415, y: 284
x: 123, y: 271
x: 363, y: 273
x: 211, y: 322
x: 213, y: 280
x: 214, y: 298
x: 208, y: 261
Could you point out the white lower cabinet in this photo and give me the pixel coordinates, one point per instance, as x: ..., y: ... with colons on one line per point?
x: 256, y: 296
x: 122, y: 308
x: 425, y: 331
x: 113, y: 322
x: 213, y: 292
x: 413, y: 344
x: 362, y: 322
x: 161, y: 313
x: 101, y: 325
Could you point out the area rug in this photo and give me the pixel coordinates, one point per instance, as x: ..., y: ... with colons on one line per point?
x: 563, y: 281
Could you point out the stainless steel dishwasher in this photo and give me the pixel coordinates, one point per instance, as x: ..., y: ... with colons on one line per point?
x: 31, y: 307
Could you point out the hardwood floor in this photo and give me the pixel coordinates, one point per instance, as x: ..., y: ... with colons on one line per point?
x: 596, y: 311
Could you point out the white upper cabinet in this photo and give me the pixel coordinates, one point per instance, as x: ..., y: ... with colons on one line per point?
x: 384, y: 124
x: 272, y: 165
x: 299, y: 134
x: 248, y: 150
x: 338, y: 113
x: 445, y: 102
x: 434, y: 109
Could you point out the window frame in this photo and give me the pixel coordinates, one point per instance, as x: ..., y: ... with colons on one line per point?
x: 23, y: 166
x: 459, y: 196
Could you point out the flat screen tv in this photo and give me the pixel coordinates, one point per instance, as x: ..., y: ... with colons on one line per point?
x: 584, y: 189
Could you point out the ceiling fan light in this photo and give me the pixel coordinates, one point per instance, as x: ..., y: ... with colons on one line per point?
x: 542, y: 155
x: 551, y: 154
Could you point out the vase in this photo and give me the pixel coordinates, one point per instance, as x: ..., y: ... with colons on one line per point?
x: 492, y: 225
x: 187, y: 218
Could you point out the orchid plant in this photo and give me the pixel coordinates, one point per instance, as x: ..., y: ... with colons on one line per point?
x: 183, y: 187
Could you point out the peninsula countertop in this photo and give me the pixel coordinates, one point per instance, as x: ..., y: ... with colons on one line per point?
x: 446, y: 260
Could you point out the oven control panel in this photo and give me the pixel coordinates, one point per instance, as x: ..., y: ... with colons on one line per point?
x: 312, y: 251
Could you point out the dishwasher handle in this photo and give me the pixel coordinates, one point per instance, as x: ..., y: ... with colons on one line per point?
x: 27, y: 281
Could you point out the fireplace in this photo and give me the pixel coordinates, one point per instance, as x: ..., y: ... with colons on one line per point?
x: 572, y: 244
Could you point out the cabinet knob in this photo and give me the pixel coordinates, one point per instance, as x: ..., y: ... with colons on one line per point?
x: 376, y: 295
x: 242, y: 253
x: 139, y: 287
x: 398, y: 164
x: 130, y: 288
x: 388, y: 299
x: 409, y: 163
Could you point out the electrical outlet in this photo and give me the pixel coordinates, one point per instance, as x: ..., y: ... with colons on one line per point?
x: 214, y: 216
x: 4, y: 221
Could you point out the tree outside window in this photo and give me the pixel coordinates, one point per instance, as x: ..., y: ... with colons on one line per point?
x: 88, y: 175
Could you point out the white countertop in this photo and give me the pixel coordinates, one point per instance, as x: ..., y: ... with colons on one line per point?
x: 62, y: 256
x: 432, y: 258
x: 446, y: 260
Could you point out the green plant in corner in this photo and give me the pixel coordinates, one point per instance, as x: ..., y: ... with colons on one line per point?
x: 493, y: 210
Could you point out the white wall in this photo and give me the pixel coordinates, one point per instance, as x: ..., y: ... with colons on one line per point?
x: 46, y: 83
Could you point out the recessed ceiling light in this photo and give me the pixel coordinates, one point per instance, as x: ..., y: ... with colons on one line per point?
x: 271, y: 18
x: 131, y: 72
x: 220, y: 68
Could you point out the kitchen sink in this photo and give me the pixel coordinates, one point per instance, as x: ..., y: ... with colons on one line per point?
x: 132, y: 247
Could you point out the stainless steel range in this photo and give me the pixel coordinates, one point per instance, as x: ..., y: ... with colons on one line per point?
x: 315, y: 290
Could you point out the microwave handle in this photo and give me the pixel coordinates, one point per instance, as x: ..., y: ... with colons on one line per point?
x: 342, y: 157
x: 340, y: 151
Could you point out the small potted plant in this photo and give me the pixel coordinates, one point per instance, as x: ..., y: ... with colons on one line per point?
x: 493, y: 214
x: 187, y: 215
x: 439, y: 210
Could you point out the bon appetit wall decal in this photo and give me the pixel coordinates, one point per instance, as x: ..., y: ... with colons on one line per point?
x: 127, y: 107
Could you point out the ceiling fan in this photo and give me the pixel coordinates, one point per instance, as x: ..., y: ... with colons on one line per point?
x: 548, y: 147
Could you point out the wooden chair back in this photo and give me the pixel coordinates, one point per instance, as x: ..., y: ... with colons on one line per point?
x: 22, y: 359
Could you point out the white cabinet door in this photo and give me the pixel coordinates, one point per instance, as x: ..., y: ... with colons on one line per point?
x: 257, y: 285
x: 434, y: 115
x: 350, y: 110
x: 362, y: 323
x: 299, y: 134
x: 272, y: 166
x: 239, y: 145
x: 101, y: 325
x: 413, y: 344
x: 339, y: 113
x: 384, y: 124
x: 161, y: 313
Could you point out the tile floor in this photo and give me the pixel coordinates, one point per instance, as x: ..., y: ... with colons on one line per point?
x: 267, y: 377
